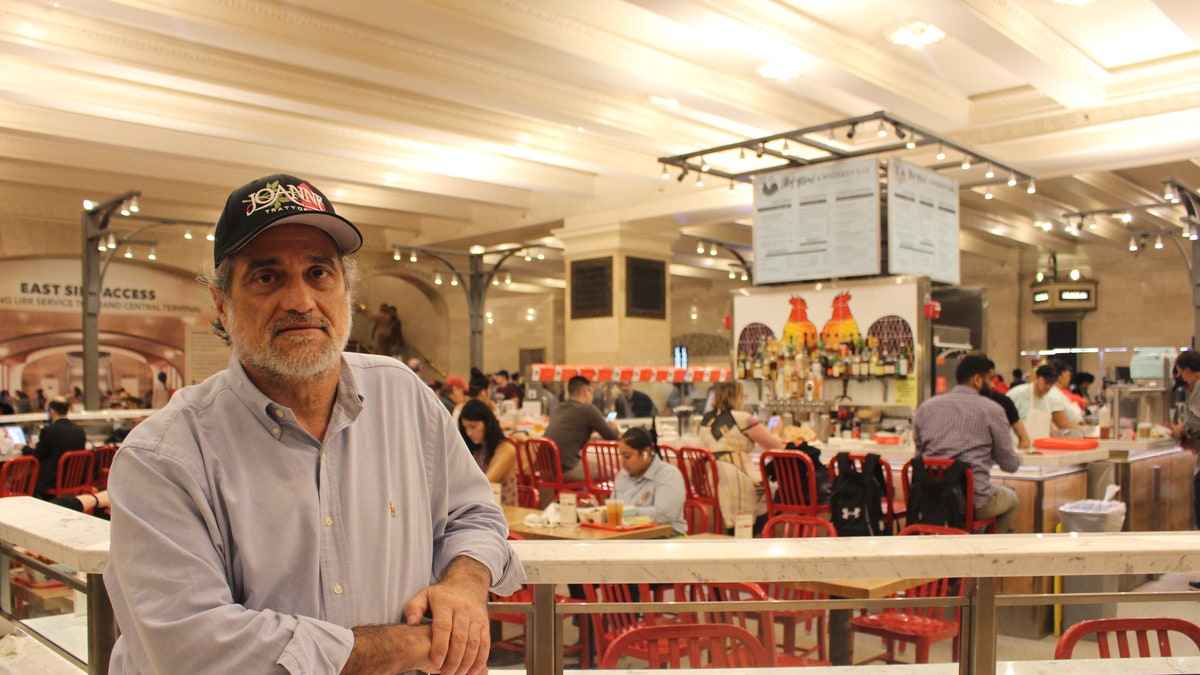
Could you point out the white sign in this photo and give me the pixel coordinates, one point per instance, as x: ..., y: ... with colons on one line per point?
x: 922, y: 222
x: 817, y: 222
x: 55, y: 285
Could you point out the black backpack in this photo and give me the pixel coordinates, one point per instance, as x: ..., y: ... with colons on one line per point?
x: 937, y: 501
x: 856, y: 503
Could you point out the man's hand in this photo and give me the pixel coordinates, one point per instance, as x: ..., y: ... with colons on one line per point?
x: 461, y: 640
x: 384, y: 650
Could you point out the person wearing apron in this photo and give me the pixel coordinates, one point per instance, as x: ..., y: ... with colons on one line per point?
x: 1041, y: 410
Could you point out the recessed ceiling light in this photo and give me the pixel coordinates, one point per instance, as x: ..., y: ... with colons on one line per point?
x: 917, y: 35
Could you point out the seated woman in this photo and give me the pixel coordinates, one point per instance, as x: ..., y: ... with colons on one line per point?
x: 646, y: 484
x: 731, y: 434
x: 489, y: 446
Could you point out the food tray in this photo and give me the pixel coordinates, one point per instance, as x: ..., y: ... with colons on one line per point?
x: 622, y: 528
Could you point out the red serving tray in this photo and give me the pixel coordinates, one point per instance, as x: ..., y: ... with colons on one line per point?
x: 1064, y: 443
x: 622, y: 528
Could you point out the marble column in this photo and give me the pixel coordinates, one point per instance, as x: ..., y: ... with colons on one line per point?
x: 618, y: 295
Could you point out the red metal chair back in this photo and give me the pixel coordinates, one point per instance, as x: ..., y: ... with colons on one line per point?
x: 696, y: 516
x: 699, y: 469
x: 18, y: 475
x: 1121, y: 629
x: 704, y: 645
x: 547, y: 466
x: 103, y: 461
x: 74, y: 474
x: 795, y: 488
x: 789, y: 526
x: 601, y: 464
x: 610, y: 625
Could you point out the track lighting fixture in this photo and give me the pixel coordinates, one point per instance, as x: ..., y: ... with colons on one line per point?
x: 783, y: 147
x: 396, y: 254
x: 88, y: 205
x: 704, y: 164
x: 966, y: 163
x: 412, y: 256
x: 682, y: 174
x: 128, y: 252
x: 742, y: 153
x: 1040, y: 276
x: 1133, y: 244
x: 1195, y: 232
x: 1168, y: 193
x: 112, y: 242
x: 712, y: 250
x: 437, y: 278
x: 732, y: 187
x: 1074, y: 275
x: 700, y: 247
x: 508, y: 278
x: 495, y: 281
x: 154, y: 254
x: 745, y: 277
x: 528, y: 257
x: 541, y: 255
x: 1032, y: 189
x: 101, y: 245
x: 990, y: 173
x: 1092, y: 223
x: 1125, y: 217
x: 488, y: 316
x: 941, y: 153
x: 881, y: 132
x: 133, y: 204
x: 762, y: 148
x: 453, y: 281
x: 211, y: 236
x: 732, y: 274
x: 666, y: 175
x: 699, y: 180
x: 987, y: 194
x: 851, y: 131
x: 1158, y: 242
x: 187, y: 234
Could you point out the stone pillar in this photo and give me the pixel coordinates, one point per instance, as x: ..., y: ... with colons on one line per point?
x: 618, y: 294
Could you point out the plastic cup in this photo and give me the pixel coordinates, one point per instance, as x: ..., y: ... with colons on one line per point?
x: 614, y: 510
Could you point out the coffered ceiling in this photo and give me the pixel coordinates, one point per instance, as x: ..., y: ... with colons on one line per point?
x: 457, y: 122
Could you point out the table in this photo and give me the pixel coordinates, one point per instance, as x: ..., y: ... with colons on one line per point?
x: 852, y: 589
x: 516, y: 523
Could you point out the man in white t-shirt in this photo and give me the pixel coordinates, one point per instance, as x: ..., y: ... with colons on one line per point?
x: 1041, y: 408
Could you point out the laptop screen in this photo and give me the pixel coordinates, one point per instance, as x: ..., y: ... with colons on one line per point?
x: 16, y: 433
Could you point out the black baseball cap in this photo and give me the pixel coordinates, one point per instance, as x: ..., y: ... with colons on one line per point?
x: 275, y: 200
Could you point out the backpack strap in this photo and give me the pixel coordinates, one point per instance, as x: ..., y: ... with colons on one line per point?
x: 870, y: 464
x: 955, y: 473
x: 843, y: 463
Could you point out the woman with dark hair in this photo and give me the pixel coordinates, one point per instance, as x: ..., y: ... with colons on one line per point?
x: 489, y: 446
x: 646, y: 484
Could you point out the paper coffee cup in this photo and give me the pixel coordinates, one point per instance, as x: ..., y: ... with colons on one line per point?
x: 743, y: 526
x: 567, y: 502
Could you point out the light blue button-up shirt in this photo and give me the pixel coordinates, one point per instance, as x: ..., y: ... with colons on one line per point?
x: 240, y: 541
x: 657, y: 494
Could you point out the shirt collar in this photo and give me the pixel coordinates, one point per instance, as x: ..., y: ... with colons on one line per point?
x: 347, y: 404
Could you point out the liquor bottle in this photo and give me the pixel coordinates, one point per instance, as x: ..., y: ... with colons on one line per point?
x: 902, y: 362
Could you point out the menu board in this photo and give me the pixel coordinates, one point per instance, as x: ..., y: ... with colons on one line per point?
x: 922, y: 209
x: 817, y: 222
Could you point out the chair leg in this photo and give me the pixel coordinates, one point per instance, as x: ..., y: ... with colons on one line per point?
x: 922, y: 648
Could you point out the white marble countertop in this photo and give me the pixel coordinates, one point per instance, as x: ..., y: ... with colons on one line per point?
x: 993, y: 555
x: 74, y: 539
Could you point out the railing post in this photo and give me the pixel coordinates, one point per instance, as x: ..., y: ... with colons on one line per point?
x: 977, y: 644
x: 542, y: 634
x: 101, y: 625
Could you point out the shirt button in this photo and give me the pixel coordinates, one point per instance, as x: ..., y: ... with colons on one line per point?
x: 322, y: 457
x: 278, y: 413
x: 337, y: 589
x: 328, y: 521
x: 275, y: 430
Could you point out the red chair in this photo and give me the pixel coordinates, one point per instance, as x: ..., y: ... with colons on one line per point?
x: 601, y: 464
x: 18, y: 476
x: 74, y: 474
x: 518, y: 643
x: 702, y: 645
x: 527, y: 494
x: 546, y: 468
x: 1120, y: 628
x: 922, y: 626
x: 699, y: 469
x: 891, y: 510
x: 762, y: 621
x: 608, y: 626
x: 790, y: 619
x: 795, y: 487
x: 936, y: 467
x: 696, y: 516
x: 103, y: 460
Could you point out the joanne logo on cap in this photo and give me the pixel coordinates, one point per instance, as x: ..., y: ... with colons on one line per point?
x: 275, y: 200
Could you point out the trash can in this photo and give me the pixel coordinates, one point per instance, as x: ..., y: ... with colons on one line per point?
x: 1090, y: 515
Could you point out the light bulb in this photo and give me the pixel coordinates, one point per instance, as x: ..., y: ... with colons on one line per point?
x: 187, y: 234
x: 732, y: 274
x: 88, y: 205
x: 990, y: 173
x: 1032, y: 189
x: 988, y: 193
x: 101, y: 245
x: 666, y: 175
x: 941, y: 153
x: 713, y: 250
x: 1012, y: 179
x: 881, y: 133
x: 704, y: 164
x: 495, y: 281
x: 395, y: 254
x: 437, y: 279
x: 112, y: 242
x: 412, y: 256
x: 540, y: 255
x: 1132, y: 243
x: 700, y: 247
x: 453, y: 281
x: 210, y: 236
x: 966, y: 163
x: 1158, y: 242
x: 153, y: 254
x: 128, y: 252
x: 745, y: 277
x: 1074, y: 275
x: 699, y: 180
x: 133, y: 204
x: 508, y: 278
x: 910, y: 144
x: 528, y: 257
x: 1040, y: 276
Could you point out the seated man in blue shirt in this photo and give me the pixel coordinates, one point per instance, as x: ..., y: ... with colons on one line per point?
x: 963, y: 425
x: 290, y: 512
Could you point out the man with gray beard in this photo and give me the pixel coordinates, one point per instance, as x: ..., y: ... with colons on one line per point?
x: 305, y: 510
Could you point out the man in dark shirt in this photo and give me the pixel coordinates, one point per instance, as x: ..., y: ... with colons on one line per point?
x: 505, y: 389
x: 1010, y: 408
x: 61, y: 435
x: 633, y: 403
x: 572, y: 423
